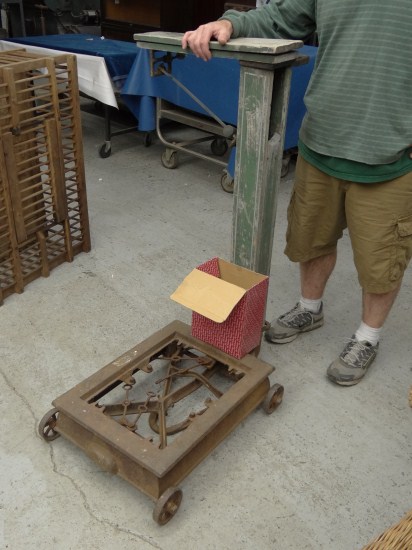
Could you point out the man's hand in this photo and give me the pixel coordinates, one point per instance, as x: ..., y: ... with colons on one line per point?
x: 198, y: 40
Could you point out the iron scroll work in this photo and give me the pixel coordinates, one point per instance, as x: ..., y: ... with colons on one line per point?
x: 153, y: 414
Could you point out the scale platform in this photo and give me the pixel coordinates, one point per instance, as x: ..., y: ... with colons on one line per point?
x: 153, y: 414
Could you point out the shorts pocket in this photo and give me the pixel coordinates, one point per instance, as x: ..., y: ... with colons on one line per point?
x: 405, y: 227
x: 402, y: 247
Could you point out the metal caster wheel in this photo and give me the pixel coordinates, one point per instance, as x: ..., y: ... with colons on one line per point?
x: 219, y: 147
x: 147, y: 139
x: 169, y: 159
x: 47, y: 426
x: 285, y: 167
x: 105, y: 151
x: 273, y: 398
x: 227, y: 182
x: 167, y: 505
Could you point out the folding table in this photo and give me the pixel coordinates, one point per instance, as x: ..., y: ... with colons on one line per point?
x: 103, y: 66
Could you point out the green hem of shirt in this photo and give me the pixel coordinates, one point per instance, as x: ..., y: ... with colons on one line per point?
x: 358, y: 172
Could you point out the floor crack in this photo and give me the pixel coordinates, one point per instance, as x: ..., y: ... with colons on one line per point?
x: 19, y: 395
x: 86, y: 505
x: 90, y: 511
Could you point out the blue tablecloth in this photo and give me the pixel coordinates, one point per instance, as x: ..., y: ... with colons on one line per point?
x: 118, y: 55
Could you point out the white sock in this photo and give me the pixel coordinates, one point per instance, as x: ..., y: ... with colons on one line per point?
x: 311, y: 305
x: 370, y: 334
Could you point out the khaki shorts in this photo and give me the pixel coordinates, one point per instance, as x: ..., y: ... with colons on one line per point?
x: 378, y: 217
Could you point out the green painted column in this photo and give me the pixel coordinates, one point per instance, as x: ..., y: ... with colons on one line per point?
x: 263, y: 101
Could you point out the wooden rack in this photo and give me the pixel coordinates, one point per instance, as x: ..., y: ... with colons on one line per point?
x: 43, y: 205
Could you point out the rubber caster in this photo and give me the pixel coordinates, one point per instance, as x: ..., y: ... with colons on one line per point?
x: 47, y: 426
x: 147, y: 139
x: 273, y: 399
x: 167, y: 505
x: 219, y: 147
x: 284, y: 171
x: 105, y: 151
x: 227, y: 182
x: 169, y: 159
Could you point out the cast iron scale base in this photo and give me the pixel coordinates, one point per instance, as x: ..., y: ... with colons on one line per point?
x: 152, y: 415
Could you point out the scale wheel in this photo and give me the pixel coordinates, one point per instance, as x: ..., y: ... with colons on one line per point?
x: 105, y: 151
x: 227, y: 182
x: 273, y: 398
x: 219, y: 147
x: 167, y: 505
x: 169, y: 159
x: 47, y: 425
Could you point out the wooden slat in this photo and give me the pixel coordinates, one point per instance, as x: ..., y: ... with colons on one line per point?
x: 17, y: 271
x: 57, y: 178
x: 13, y: 186
x: 45, y: 269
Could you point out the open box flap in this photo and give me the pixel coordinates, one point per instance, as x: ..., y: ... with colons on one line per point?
x: 239, y: 276
x: 207, y: 295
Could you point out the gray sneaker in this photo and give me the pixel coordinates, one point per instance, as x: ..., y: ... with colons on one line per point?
x: 353, y: 363
x: 287, y: 327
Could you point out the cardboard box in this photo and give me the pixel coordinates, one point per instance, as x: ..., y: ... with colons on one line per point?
x: 228, y: 304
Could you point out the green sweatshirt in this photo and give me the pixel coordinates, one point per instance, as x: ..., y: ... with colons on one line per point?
x: 359, y: 98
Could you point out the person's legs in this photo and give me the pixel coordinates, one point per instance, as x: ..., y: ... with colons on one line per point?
x: 314, y: 275
x: 307, y: 314
x: 316, y: 220
x: 380, y: 226
x: 376, y: 307
x: 379, y: 218
x: 360, y: 352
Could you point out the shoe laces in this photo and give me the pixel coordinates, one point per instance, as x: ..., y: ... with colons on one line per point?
x: 296, y: 317
x: 356, y: 354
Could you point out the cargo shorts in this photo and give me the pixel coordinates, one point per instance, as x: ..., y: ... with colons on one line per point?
x: 378, y: 217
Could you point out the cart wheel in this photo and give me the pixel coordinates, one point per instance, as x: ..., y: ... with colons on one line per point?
x: 273, y: 398
x: 219, y: 147
x: 169, y: 159
x: 227, y: 182
x: 167, y: 505
x: 147, y: 139
x: 47, y: 426
x: 284, y: 171
x: 105, y: 151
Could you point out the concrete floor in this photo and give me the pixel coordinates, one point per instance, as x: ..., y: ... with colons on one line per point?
x: 329, y: 470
